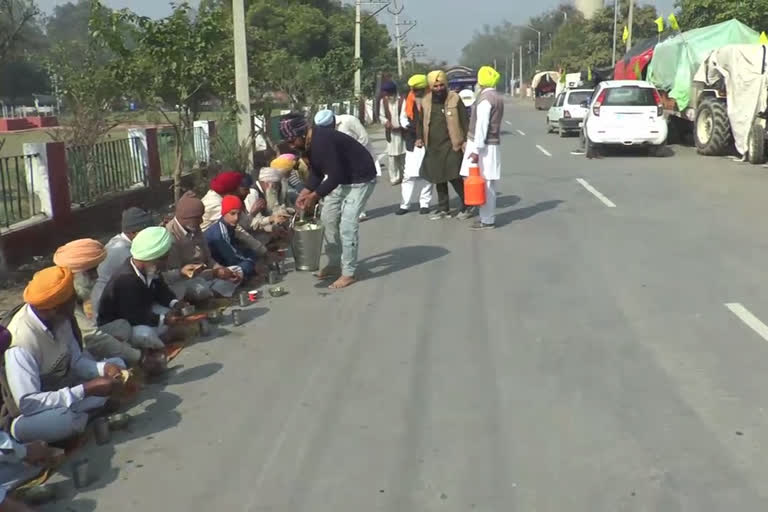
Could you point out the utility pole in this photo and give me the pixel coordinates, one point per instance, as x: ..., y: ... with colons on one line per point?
x: 358, y: 85
x: 615, y: 27
x: 242, y: 88
x: 521, y: 70
x: 395, y: 11
x: 629, y: 23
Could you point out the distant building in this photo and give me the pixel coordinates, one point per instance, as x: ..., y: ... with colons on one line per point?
x: 589, y: 7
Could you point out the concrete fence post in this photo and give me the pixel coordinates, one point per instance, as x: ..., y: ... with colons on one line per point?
x: 203, y: 133
x: 145, y: 151
x: 154, y: 167
x: 48, y: 179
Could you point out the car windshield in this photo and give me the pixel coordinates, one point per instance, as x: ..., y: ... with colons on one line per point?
x: 629, y: 96
x: 579, y: 97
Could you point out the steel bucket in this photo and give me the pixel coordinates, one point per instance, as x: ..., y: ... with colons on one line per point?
x: 307, y: 244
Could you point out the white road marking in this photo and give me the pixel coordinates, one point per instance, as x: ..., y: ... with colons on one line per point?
x: 543, y: 150
x: 748, y: 318
x: 521, y: 132
x: 607, y: 202
x: 508, y: 122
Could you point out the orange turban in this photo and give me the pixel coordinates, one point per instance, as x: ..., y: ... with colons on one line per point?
x: 80, y: 255
x: 50, y: 288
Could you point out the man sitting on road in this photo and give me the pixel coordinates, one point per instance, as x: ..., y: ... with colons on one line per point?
x: 52, y: 384
x: 109, y: 340
x: 343, y: 173
x: 193, y: 275
x: 225, y: 247
x: 236, y: 184
x: 138, y: 293
x: 270, y: 214
x: 118, y: 250
x: 20, y: 463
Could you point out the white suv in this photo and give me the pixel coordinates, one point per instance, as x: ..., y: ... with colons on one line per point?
x: 625, y: 113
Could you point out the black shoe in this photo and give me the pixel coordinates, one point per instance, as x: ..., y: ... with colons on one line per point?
x: 401, y: 211
x: 424, y: 211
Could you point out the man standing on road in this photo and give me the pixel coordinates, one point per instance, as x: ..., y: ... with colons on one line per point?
x: 391, y: 105
x: 341, y: 171
x: 443, y: 133
x: 414, y: 155
x: 349, y: 125
x: 483, y: 142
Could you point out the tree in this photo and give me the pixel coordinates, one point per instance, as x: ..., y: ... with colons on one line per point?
x: 172, y: 65
x: 589, y: 43
x: 17, y: 24
x: 701, y: 13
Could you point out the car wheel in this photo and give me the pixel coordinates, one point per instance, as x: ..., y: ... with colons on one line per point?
x: 756, y: 143
x: 656, y: 151
x: 591, y: 149
x: 549, y: 126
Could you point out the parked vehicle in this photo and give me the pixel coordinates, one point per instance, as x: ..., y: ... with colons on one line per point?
x: 573, y: 111
x: 731, y: 98
x: 625, y: 113
x: 554, y: 114
x: 694, y: 108
x: 544, y: 87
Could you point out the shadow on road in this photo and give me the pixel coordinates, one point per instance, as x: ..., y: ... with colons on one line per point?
x: 503, y: 201
x: 505, y: 218
x: 400, y: 258
x: 382, y: 211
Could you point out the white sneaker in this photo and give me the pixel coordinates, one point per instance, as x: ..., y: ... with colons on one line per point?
x: 363, y: 216
x: 439, y: 215
x: 466, y: 214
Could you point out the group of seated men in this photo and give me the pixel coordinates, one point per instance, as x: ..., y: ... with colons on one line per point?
x: 103, y: 308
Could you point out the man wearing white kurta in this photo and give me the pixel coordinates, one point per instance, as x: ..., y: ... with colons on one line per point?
x: 390, y: 107
x: 410, y: 116
x: 483, y: 142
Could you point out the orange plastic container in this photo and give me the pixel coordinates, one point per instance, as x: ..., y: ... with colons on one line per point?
x: 474, y: 188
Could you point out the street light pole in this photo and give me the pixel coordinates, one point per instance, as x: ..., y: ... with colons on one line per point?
x: 242, y: 92
x: 629, y: 23
x: 521, y: 70
x: 539, y: 34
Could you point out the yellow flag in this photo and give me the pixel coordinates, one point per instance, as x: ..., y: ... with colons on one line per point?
x: 625, y: 35
x: 763, y: 38
x: 636, y: 70
x: 660, y: 24
x: 673, y: 22
x: 589, y: 73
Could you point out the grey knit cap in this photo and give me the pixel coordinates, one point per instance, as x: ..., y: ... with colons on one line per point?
x: 136, y: 219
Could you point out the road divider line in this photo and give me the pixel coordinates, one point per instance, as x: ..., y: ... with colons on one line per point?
x: 748, y: 318
x: 521, y: 132
x: 508, y: 122
x: 543, y: 150
x: 607, y: 202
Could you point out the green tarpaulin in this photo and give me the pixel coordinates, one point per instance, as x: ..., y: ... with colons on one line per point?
x: 677, y: 59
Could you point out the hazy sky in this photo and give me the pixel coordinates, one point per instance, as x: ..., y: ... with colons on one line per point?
x: 442, y: 39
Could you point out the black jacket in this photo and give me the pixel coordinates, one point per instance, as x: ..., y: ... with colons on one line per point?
x: 340, y: 158
x: 126, y: 296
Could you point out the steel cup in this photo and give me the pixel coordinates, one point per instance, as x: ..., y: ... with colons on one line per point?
x: 80, y: 473
x: 101, y: 431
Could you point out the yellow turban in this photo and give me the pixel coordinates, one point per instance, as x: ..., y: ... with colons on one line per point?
x: 50, y: 288
x: 282, y: 164
x: 80, y: 255
x: 435, y: 77
x: 488, y: 77
x: 418, y: 82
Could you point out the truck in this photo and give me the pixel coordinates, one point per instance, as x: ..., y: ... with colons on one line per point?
x: 692, y: 107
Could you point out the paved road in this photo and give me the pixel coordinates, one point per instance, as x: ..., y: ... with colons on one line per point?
x: 581, y: 357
